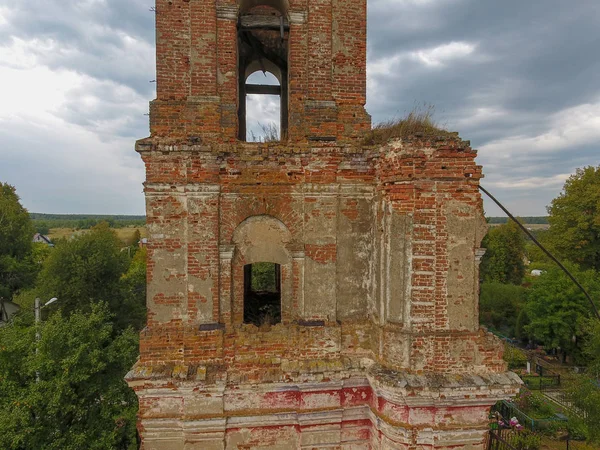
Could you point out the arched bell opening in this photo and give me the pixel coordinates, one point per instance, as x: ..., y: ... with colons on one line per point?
x: 263, y: 34
x: 263, y: 109
x: 262, y: 293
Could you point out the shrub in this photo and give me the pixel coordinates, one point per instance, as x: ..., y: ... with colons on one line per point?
x: 515, y: 357
x: 526, y: 440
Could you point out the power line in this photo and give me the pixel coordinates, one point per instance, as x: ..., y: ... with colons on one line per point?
x: 550, y: 255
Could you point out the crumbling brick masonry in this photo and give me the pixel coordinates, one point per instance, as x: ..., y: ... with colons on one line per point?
x: 369, y: 338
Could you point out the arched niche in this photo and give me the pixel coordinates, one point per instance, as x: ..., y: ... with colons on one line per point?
x: 260, y: 239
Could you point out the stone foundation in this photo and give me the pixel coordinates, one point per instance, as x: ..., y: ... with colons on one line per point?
x: 336, y: 406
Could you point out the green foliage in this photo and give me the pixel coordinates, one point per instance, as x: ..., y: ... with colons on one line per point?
x: 521, y: 324
x: 42, y: 227
x: 81, y: 400
x: 575, y: 219
x: 534, y: 220
x: 538, y: 259
x: 85, y: 270
x: 536, y: 382
x: 591, y: 349
x: 264, y: 277
x: 526, y: 440
x: 16, y: 232
x: 557, y: 309
x: 133, y: 292
x: 584, y: 393
x: 505, y: 250
x: 84, y: 221
x: 500, y: 305
x: 514, y: 356
x: 135, y: 239
x: 534, y: 404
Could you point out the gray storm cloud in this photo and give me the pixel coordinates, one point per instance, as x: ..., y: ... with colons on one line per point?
x: 519, y: 79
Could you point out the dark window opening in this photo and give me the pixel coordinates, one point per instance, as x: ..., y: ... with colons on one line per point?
x: 262, y: 293
x: 263, y: 33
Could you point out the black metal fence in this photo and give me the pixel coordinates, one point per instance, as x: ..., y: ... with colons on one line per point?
x: 501, y: 440
x: 546, y: 379
x: 508, y: 410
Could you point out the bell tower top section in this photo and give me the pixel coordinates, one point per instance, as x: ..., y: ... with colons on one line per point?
x: 206, y: 50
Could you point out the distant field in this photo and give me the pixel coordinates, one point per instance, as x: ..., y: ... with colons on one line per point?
x: 85, y: 221
x: 529, y: 226
x: 524, y: 219
x: 125, y: 234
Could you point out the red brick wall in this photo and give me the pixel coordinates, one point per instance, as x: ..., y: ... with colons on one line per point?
x: 197, y: 76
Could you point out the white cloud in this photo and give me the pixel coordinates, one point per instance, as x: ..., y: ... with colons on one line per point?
x: 554, y: 182
x: 575, y: 126
x: 62, y: 134
x: 442, y: 54
x: 35, y: 92
x: 4, y: 15
x: 261, y: 111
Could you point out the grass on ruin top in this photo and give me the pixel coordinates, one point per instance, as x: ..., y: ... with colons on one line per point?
x: 418, y: 122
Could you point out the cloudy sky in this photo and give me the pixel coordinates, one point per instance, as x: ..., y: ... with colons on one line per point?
x: 519, y: 78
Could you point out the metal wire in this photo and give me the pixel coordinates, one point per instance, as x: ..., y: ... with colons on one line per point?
x: 550, y: 255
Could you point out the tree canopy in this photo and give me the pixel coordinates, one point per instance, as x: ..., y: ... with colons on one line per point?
x: 85, y: 270
x: 574, y: 218
x: 88, y: 338
x: 500, y: 306
x: 557, y: 308
x: 81, y: 399
x: 17, y: 270
x: 505, y: 251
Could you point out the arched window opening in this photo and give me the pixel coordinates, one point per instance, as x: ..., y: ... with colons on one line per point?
x: 263, y: 32
x: 263, y: 109
x: 262, y: 293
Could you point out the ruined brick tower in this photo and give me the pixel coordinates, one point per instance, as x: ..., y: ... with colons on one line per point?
x: 367, y: 335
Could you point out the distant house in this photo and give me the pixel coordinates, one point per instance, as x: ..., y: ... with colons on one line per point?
x: 7, y: 310
x: 537, y: 272
x: 143, y: 242
x: 37, y: 237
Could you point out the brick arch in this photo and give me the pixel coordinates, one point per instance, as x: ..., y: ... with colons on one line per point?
x: 282, y: 6
x: 263, y: 238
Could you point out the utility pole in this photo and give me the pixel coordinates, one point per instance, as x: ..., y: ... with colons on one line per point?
x: 38, y: 318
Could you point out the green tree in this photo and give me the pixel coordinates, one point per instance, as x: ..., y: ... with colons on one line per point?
x: 505, y: 250
x: 86, y: 270
x: 557, y: 309
x: 81, y: 400
x: 16, y: 232
x: 575, y: 219
x: 591, y: 348
x: 584, y: 390
x: 264, y: 277
x: 133, y: 288
x: 500, y: 305
x: 42, y: 228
